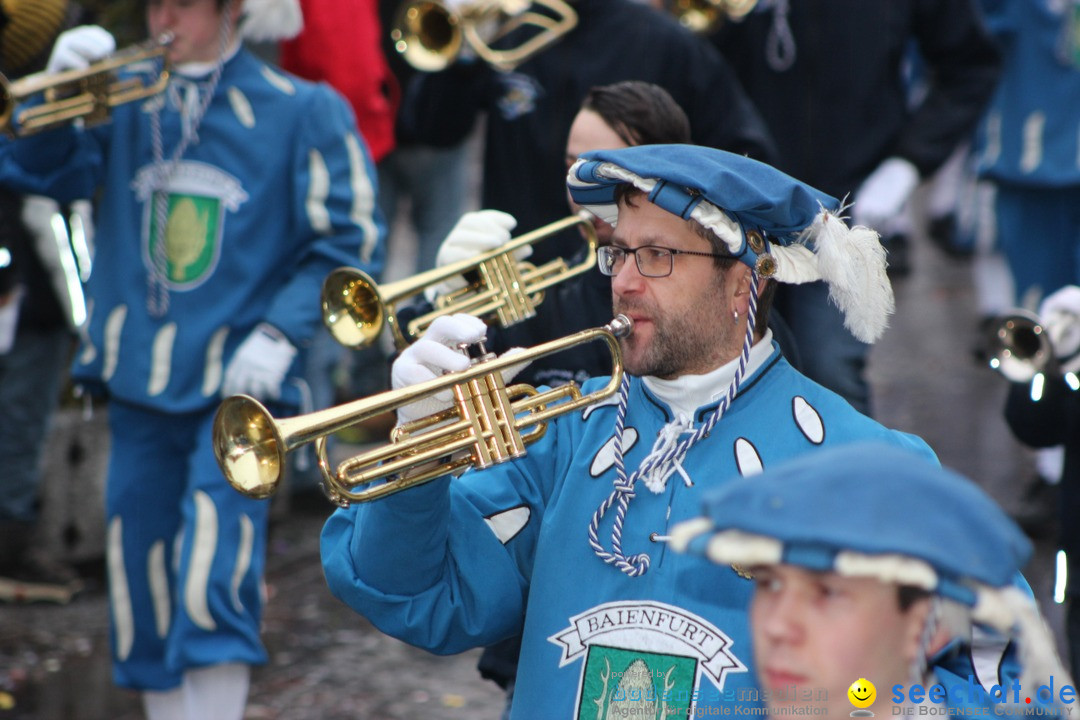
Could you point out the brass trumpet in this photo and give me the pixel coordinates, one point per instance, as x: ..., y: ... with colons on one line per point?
x: 1019, y: 346
x: 430, y: 36
x: 705, y: 16
x: 488, y: 423
x: 88, y: 94
x: 355, y: 308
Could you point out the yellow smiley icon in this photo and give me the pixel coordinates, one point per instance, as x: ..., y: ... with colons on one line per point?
x: 862, y: 693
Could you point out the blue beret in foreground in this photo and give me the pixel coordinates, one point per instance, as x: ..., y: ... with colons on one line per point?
x: 874, y: 510
x: 775, y: 224
x: 875, y: 499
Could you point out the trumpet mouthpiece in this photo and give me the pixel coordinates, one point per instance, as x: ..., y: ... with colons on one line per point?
x: 621, y: 326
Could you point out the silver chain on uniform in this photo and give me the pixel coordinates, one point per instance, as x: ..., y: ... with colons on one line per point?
x: 157, y: 298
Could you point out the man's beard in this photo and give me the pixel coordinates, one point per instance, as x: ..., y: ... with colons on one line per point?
x: 678, y: 340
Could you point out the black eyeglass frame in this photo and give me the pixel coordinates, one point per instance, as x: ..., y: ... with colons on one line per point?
x: 672, y: 252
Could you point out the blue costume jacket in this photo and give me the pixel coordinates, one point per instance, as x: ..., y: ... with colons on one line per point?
x: 256, y: 223
x: 503, y: 550
x: 272, y: 190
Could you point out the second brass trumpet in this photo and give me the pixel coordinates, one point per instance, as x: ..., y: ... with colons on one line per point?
x: 88, y: 95
x: 505, y: 291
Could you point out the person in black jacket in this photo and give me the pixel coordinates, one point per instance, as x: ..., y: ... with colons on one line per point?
x: 827, y: 76
x: 1049, y: 417
x: 530, y: 110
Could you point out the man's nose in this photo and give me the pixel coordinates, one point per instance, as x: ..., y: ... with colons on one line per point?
x: 628, y: 278
x: 782, y: 620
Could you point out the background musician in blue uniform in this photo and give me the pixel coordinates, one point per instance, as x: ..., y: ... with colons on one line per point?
x: 223, y: 204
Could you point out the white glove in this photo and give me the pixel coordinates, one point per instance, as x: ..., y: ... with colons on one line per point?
x: 78, y: 47
x: 259, y: 366
x: 883, y: 195
x: 475, y: 233
x: 437, y: 353
x: 1060, y: 314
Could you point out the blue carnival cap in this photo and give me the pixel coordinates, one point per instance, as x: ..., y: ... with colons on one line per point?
x: 780, y: 227
x: 871, y: 509
x: 868, y: 509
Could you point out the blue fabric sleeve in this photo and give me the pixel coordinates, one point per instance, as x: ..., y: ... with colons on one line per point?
x: 334, y: 200
x: 424, y: 565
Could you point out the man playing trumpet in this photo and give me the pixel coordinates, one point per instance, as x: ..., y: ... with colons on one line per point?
x: 566, y: 545
x: 223, y: 204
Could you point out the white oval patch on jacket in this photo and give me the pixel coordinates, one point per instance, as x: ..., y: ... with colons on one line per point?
x: 808, y: 420
x: 241, y: 107
x: 747, y: 458
x: 605, y: 456
x: 508, y: 523
x: 613, y: 400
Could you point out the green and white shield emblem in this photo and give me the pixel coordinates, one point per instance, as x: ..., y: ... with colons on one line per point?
x: 644, y: 659
x: 198, y: 198
x: 192, y: 237
x: 622, y: 683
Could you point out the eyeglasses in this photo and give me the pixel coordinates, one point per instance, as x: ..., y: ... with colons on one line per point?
x: 652, y: 260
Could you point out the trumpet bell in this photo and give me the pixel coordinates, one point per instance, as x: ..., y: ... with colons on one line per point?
x: 252, y: 454
x: 703, y: 17
x: 428, y: 35
x: 1019, y: 346
x: 352, y: 309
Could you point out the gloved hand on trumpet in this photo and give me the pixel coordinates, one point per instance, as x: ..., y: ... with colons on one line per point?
x: 1060, y: 315
x: 79, y: 47
x: 474, y: 233
x: 436, y: 353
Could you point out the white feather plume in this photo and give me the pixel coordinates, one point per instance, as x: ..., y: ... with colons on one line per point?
x: 269, y: 20
x: 852, y: 262
x: 795, y: 263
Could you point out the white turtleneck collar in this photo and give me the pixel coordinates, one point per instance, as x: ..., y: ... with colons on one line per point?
x: 684, y: 394
x: 199, y: 70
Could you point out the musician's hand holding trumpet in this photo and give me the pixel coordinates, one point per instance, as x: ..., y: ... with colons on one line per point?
x: 77, y: 48
x: 441, y: 350
x: 1060, y: 313
x: 474, y: 233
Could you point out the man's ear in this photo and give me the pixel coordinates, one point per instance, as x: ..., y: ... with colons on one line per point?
x: 741, y: 277
x: 917, y: 615
x: 944, y: 633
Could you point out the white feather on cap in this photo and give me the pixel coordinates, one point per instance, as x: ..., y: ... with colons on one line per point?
x: 852, y: 262
x: 269, y: 20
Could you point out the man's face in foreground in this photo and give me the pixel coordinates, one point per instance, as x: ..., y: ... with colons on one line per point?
x: 683, y: 323
x: 821, y: 632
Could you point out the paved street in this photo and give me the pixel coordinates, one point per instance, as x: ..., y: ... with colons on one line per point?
x: 327, y: 663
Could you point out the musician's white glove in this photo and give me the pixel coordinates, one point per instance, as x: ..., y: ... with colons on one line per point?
x: 475, y: 233
x: 436, y: 353
x: 78, y: 47
x: 884, y: 193
x: 1060, y: 314
x: 259, y: 366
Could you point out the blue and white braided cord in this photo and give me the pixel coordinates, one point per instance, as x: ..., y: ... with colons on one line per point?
x: 623, y: 491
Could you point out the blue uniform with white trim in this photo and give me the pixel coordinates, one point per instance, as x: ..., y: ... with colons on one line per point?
x: 504, y: 551
x: 275, y: 191
x: 1028, y: 143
